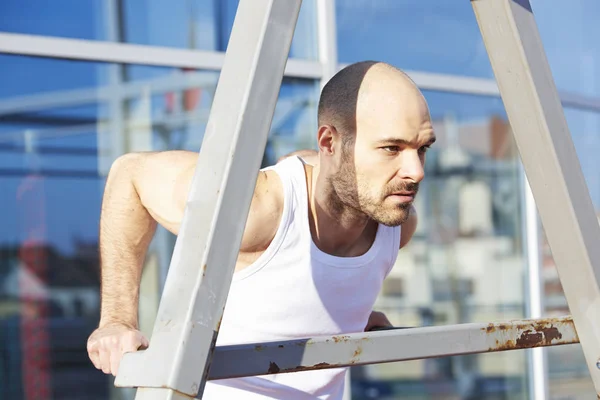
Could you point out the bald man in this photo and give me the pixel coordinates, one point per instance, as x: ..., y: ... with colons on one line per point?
x: 318, y: 242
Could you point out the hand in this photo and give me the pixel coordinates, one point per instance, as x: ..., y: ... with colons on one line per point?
x: 377, y: 320
x: 106, y: 345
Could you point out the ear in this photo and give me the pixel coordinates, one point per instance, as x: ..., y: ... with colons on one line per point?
x: 326, y: 137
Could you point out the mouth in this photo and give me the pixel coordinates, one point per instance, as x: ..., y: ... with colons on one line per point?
x: 403, y: 197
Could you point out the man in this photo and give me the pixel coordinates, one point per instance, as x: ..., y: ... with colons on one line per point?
x: 318, y: 242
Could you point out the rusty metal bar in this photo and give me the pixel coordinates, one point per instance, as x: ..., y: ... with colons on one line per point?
x: 388, y: 346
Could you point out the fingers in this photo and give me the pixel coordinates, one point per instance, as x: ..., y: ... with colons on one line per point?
x: 95, y: 358
x: 105, y: 360
x: 106, y: 350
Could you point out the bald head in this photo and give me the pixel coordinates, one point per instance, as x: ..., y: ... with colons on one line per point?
x: 374, y: 131
x: 364, y: 90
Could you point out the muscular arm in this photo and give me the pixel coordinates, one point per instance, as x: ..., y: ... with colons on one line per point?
x: 141, y: 190
x: 144, y: 189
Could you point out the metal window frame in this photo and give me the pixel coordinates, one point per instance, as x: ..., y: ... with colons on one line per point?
x: 537, y: 362
x: 327, y: 38
x: 124, y: 53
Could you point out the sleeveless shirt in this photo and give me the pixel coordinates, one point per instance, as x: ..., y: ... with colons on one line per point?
x: 293, y: 291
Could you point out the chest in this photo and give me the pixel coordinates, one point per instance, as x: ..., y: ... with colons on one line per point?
x: 298, y: 297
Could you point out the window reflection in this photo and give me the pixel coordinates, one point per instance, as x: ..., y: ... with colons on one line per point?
x: 50, y: 192
x: 466, y: 261
x: 427, y: 35
x: 193, y: 24
x: 570, y: 33
x: 567, y: 369
x: 58, y: 138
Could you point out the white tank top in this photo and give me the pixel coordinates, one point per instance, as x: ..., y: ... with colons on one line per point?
x: 294, y: 291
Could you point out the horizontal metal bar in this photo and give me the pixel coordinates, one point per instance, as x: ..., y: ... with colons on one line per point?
x: 388, y: 346
x: 125, y: 53
x: 581, y: 101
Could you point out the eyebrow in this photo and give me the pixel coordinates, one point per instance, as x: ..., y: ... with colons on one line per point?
x: 402, y: 142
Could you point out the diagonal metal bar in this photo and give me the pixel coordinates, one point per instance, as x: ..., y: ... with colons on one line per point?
x: 542, y: 136
x: 205, y: 253
x: 388, y: 346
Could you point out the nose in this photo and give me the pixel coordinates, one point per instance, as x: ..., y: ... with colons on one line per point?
x: 412, y: 167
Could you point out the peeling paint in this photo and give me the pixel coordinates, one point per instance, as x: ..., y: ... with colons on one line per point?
x: 273, y: 368
x: 339, y: 339
x: 542, y: 332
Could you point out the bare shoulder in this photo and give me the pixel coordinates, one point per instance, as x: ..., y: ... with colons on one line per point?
x: 409, y: 227
x: 265, y: 212
x: 161, y: 180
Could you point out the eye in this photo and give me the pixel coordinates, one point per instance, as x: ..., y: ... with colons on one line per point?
x: 391, y: 149
x: 424, y: 149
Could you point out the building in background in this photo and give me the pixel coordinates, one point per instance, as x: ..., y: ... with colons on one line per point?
x: 82, y: 82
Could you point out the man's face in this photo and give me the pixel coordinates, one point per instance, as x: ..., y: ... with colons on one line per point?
x: 379, y: 171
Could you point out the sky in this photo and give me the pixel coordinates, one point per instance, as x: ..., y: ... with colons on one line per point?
x: 438, y: 36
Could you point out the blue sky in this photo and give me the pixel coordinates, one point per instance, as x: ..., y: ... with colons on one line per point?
x: 430, y: 35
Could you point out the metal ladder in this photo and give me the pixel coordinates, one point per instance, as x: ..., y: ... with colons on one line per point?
x: 183, y: 356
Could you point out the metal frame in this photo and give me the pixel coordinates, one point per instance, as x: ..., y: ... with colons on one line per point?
x: 509, y: 29
x: 327, y: 42
x: 98, y: 51
x: 183, y: 339
x: 388, y: 346
x: 542, y: 135
x: 535, y: 112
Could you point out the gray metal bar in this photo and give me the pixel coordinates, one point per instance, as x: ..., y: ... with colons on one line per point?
x: 388, y: 346
x: 538, y: 379
x: 126, y: 53
x: 542, y: 135
x: 201, y: 269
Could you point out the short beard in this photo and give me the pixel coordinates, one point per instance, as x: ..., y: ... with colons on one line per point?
x: 349, y: 195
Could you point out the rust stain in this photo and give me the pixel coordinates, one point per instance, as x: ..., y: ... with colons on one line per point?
x: 552, y: 333
x: 273, y: 368
x: 309, y: 368
x: 545, y: 336
x: 508, y: 345
x: 258, y: 348
x: 543, y: 332
x: 339, y: 339
x: 357, y: 352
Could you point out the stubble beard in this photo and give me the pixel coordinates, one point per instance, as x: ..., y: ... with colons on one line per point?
x: 352, y: 196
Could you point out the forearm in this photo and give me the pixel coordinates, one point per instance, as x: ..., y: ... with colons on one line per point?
x: 126, y: 229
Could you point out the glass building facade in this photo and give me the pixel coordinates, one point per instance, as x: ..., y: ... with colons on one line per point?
x: 82, y: 82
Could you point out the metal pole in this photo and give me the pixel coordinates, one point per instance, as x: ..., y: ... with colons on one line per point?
x: 538, y: 381
x: 542, y: 135
x: 176, y: 364
x: 388, y: 346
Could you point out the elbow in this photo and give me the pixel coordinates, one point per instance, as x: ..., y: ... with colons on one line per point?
x: 124, y: 168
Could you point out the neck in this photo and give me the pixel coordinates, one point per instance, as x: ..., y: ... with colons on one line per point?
x: 336, y: 229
